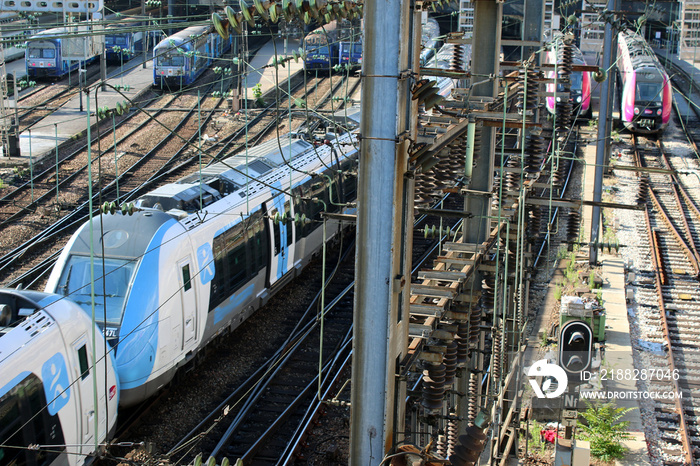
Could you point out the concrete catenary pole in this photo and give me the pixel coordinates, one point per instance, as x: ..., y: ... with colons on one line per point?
x: 609, y: 54
x: 488, y: 16
x: 383, y: 220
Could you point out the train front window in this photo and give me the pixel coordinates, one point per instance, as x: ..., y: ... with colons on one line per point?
x: 112, y: 285
x: 576, y: 81
x: 169, y: 60
x: 650, y: 92
x: 35, y: 52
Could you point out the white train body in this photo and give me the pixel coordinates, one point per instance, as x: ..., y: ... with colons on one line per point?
x: 48, y: 381
x: 179, y: 275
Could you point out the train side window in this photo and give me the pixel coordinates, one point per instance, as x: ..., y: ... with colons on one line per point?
x: 301, y: 207
x: 236, y: 258
x: 186, y: 279
x: 277, y: 232
x: 290, y: 223
x: 25, y: 420
x: 83, y: 361
x: 259, y: 242
x: 237, y: 266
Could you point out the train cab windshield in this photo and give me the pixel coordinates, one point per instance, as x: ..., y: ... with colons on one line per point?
x: 576, y: 80
x: 649, y: 92
x: 35, y: 52
x: 171, y: 60
x: 115, y: 40
x: 112, y: 285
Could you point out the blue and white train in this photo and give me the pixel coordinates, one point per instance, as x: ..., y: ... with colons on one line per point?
x: 48, y: 53
x: 340, y: 43
x: 321, y: 46
x: 195, y: 260
x: 181, y: 58
x: 48, y: 381
x: 128, y: 38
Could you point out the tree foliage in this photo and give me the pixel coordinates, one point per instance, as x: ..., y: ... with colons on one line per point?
x: 604, y: 430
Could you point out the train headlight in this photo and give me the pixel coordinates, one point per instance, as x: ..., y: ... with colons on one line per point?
x: 578, y: 99
x: 636, y: 110
x: 558, y: 99
x: 658, y: 112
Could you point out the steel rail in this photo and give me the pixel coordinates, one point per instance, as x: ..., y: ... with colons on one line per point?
x: 685, y: 247
x: 51, y: 170
x: 660, y: 279
x: 683, y: 426
x: 313, y: 412
x: 78, y: 213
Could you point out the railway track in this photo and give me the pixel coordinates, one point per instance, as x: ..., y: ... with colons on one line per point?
x: 48, y: 98
x: 145, y: 155
x: 669, y: 299
x: 280, y: 400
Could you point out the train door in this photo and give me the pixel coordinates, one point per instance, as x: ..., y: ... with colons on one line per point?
x: 282, y: 237
x: 85, y: 399
x: 189, y: 301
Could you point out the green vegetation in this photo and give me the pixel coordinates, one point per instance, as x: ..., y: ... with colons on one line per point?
x: 257, y: 94
x: 609, y: 234
x: 571, y: 274
x: 591, y: 279
x: 561, y: 253
x: 604, y: 430
x: 535, y: 437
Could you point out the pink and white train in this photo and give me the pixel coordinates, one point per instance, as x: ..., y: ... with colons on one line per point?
x: 645, y: 88
x: 580, y: 92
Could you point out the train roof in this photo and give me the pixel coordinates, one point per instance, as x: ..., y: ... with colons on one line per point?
x: 127, y: 22
x: 240, y: 175
x: 51, y: 32
x: 334, y: 30
x: 184, y: 36
x: 16, y: 306
x: 257, y: 161
x: 348, y: 114
x: 126, y: 236
x: 639, y: 51
x: 558, y: 40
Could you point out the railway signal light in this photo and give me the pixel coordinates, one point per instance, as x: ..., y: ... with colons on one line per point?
x: 575, y: 347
